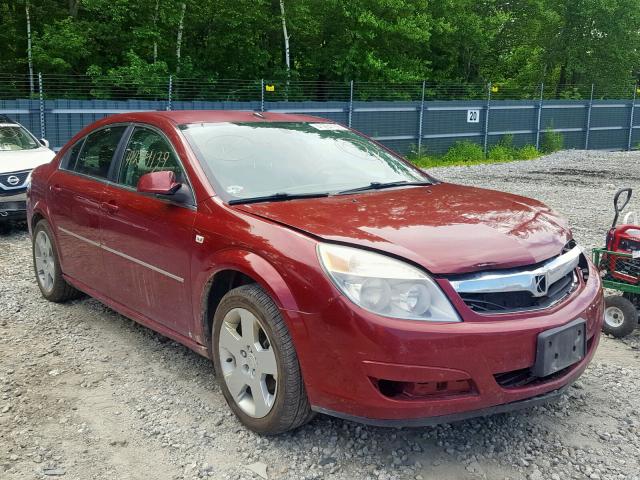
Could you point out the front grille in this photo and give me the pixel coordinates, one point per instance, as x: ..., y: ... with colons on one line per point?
x: 524, y: 378
x: 522, y: 300
x: 13, y: 180
x: 11, y: 193
x: 533, y: 287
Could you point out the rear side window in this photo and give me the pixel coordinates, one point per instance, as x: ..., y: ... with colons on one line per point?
x: 147, y: 151
x: 97, y: 153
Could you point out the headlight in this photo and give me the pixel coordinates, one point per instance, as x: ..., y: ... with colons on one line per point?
x: 385, y: 286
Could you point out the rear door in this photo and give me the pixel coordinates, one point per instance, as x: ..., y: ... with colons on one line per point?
x: 147, y: 239
x: 75, y: 197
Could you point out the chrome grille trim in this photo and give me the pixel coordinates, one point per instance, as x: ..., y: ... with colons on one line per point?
x: 521, y: 280
x: 21, y: 175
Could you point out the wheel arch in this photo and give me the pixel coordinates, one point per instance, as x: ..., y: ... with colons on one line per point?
x: 37, y: 214
x: 234, y: 268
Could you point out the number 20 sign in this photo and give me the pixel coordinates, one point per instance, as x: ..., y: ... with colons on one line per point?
x: 473, y: 116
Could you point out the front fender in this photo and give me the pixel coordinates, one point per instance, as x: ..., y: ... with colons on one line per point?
x: 252, y: 265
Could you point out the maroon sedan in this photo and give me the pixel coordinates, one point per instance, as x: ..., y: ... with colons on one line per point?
x: 318, y: 270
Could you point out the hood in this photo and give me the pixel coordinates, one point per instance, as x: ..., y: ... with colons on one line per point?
x: 17, y: 160
x: 446, y: 228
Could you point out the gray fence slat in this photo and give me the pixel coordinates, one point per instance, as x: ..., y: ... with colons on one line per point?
x: 431, y: 126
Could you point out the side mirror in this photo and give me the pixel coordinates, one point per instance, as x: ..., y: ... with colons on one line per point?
x: 159, y: 183
x: 44, y: 142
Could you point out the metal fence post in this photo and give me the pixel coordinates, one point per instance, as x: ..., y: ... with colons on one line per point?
x: 170, y: 93
x: 262, y: 94
x: 586, y: 135
x: 350, y: 102
x: 633, y: 106
x: 539, y: 117
x: 421, y: 118
x: 43, y: 130
x: 486, y: 120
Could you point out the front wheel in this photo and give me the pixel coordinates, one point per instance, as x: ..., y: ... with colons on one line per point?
x: 620, y: 316
x: 256, y: 363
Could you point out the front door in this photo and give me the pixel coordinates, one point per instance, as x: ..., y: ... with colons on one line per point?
x: 147, y: 239
x: 75, y: 198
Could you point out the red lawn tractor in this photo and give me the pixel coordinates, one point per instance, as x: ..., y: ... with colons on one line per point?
x: 619, y: 265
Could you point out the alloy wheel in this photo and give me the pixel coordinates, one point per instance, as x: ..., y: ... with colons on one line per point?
x: 45, y: 261
x: 248, y: 362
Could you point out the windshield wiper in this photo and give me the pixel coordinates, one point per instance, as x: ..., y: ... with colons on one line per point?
x: 277, y: 197
x: 381, y: 185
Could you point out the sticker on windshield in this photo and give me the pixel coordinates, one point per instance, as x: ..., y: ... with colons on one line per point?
x: 327, y: 126
x: 235, y: 189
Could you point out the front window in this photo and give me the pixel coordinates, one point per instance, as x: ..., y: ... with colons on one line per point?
x: 15, y: 137
x: 245, y: 160
x: 146, y: 152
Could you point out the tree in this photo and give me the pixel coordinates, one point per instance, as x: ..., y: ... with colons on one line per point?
x: 470, y: 42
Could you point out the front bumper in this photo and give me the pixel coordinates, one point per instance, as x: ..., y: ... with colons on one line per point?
x: 453, y: 371
x: 455, y: 417
x: 13, y: 207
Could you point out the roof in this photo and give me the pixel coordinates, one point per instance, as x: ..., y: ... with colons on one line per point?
x: 180, y: 117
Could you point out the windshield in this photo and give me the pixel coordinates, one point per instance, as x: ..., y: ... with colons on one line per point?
x: 15, y: 137
x: 245, y: 160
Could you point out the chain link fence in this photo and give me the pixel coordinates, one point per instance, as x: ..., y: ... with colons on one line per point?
x: 408, y: 117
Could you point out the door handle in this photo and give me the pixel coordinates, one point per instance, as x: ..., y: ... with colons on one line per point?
x: 110, y: 206
x: 56, y: 188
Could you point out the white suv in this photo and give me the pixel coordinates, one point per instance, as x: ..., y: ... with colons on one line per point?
x: 20, y: 153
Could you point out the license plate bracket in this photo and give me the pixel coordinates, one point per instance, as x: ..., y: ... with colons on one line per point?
x: 560, y: 347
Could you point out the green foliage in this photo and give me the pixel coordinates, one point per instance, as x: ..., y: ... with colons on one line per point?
x: 551, y: 141
x: 137, y: 77
x: 501, y: 153
x: 469, y: 153
x: 505, y: 151
x: 464, y: 152
x: 425, y: 161
x: 506, y: 141
x: 514, y: 44
x: 528, y: 152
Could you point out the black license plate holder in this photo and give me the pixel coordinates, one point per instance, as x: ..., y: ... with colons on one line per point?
x: 560, y: 347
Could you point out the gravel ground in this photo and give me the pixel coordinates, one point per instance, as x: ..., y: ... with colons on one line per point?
x: 86, y: 393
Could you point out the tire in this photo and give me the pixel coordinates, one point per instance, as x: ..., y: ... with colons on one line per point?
x: 47, y: 270
x: 620, y: 316
x: 261, y: 354
x: 633, y: 298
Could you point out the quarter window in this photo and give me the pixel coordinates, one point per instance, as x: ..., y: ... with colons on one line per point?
x: 147, y: 151
x: 97, y: 154
x: 72, y: 156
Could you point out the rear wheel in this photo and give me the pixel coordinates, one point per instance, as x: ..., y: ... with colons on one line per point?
x: 620, y: 316
x: 47, y: 266
x: 256, y: 363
